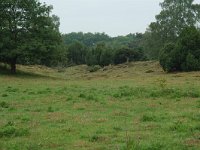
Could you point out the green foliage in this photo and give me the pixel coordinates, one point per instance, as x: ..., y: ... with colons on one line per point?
x: 90, y: 58
x: 4, y: 95
x: 94, y: 138
x: 100, y: 55
x: 103, y: 49
x: 88, y: 39
x: 76, y: 53
x: 173, y: 18
x: 9, y: 130
x: 168, y: 59
x: 185, y: 54
x: 125, y: 54
x: 29, y: 35
x: 4, y: 105
x: 162, y: 83
x: 106, y: 57
x: 191, y: 63
x: 50, y: 109
x: 148, y: 117
x: 135, y: 111
x: 94, y: 68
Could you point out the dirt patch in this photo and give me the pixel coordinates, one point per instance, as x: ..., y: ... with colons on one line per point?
x: 193, y: 142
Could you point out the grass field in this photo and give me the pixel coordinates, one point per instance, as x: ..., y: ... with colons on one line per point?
x: 132, y: 106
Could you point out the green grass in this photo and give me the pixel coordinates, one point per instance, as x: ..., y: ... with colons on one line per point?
x: 123, y: 108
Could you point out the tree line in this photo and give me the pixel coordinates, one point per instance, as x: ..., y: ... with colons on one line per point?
x: 29, y: 34
x: 101, y: 49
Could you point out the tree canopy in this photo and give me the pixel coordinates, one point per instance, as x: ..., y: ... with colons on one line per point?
x: 175, y: 16
x: 28, y: 33
x: 184, y: 55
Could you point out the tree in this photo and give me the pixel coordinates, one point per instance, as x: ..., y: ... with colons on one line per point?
x: 106, y: 57
x: 88, y: 39
x: 123, y: 55
x: 95, y: 55
x: 188, y: 46
x: 191, y: 63
x: 91, y: 58
x: 77, y: 53
x: 169, y: 59
x: 126, y: 54
x: 184, y: 55
x: 27, y: 32
x: 174, y: 17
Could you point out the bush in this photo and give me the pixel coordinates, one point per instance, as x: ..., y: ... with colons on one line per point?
x: 191, y: 63
x: 4, y: 105
x: 168, y: 59
x: 9, y: 130
x: 94, y: 68
x: 148, y: 118
x: 122, y: 55
x: 184, y: 55
x: 125, y: 54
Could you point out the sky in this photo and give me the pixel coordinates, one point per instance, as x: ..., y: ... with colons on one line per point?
x: 114, y: 17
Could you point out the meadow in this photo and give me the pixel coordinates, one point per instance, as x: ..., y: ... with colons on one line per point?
x: 133, y: 106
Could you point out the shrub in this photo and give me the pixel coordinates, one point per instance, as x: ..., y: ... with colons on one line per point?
x: 148, y: 117
x: 4, y: 105
x: 168, y: 59
x: 122, y: 55
x: 94, y: 68
x: 9, y: 130
x: 50, y: 109
x: 126, y: 54
x: 184, y: 55
x: 191, y: 63
x: 4, y: 95
x: 94, y: 138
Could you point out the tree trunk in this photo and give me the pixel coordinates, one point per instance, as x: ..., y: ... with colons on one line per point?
x: 127, y: 60
x: 13, y: 66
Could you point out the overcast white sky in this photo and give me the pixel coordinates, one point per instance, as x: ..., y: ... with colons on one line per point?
x: 114, y: 17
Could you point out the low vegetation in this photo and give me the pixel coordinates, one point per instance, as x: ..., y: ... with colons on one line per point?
x: 120, y: 107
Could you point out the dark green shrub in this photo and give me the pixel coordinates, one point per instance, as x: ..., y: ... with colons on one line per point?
x: 50, y: 109
x: 94, y: 138
x: 126, y: 54
x: 9, y: 130
x: 169, y: 58
x: 94, y: 68
x: 191, y: 63
x: 4, y: 95
x: 123, y: 55
x: 4, y: 105
x: 148, y: 117
x: 184, y: 55
x: 82, y: 95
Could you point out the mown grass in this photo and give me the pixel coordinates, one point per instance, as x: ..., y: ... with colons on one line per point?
x: 123, y: 108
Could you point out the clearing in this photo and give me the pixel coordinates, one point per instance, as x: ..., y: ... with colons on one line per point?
x: 129, y: 106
